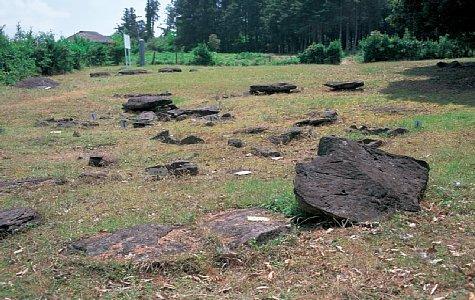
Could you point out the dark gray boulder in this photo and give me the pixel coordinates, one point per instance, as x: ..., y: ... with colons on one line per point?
x: 17, y: 219
x: 270, y: 89
x: 147, y: 103
x: 166, y: 138
x: 344, y: 85
x: 286, y: 137
x: 358, y: 183
x: 101, y: 160
x: 192, y: 140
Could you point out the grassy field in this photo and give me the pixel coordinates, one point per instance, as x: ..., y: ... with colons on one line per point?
x: 425, y: 255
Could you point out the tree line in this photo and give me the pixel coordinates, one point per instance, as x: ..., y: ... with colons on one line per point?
x: 290, y: 26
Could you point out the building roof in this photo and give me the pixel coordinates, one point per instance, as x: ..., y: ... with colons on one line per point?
x: 93, y: 37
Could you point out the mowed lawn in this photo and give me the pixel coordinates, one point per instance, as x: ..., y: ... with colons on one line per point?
x: 426, y: 255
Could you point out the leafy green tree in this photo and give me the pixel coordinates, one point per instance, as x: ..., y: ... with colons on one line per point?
x: 151, y: 16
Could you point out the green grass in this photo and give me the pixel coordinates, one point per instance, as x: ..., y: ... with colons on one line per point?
x: 308, y: 262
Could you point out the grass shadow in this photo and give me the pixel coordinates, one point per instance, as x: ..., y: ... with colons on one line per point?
x: 436, y: 85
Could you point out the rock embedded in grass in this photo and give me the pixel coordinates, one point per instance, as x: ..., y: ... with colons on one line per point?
x: 7, y: 185
x: 147, y: 103
x: 286, y: 137
x: 178, y: 168
x: 192, y: 140
x: 328, y: 117
x: 263, y: 152
x: 371, y: 143
x: 236, y: 143
x: 166, y: 138
x: 65, y: 123
x: 101, y: 160
x: 17, y: 219
x: 99, y: 74
x: 378, y: 130
x: 269, y: 89
x: 37, y: 83
x: 170, y: 70
x: 252, y: 130
x: 345, y: 85
x: 133, y: 72
x: 453, y: 64
x: 357, y: 183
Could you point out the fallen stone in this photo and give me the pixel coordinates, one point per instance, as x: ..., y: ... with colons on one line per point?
x: 203, y: 112
x: 100, y: 160
x: 163, y: 94
x: 146, y: 103
x: 236, y: 228
x: 192, y: 140
x: 7, y: 185
x: 133, y: 72
x: 65, y: 123
x: 145, y: 119
x: 76, y: 134
x: 252, y: 130
x: 139, y: 243
x: 453, y: 64
x: 193, y: 70
x: 359, y: 183
x: 166, y: 138
x: 179, y: 168
x: 265, y: 152
x: 270, y: 89
x: 371, y: 143
x: 17, y: 219
x: 99, y: 74
x: 169, y: 70
x: 345, y: 85
x: 236, y: 143
x: 37, y: 83
x: 378, y: 131
x: 287, y: 137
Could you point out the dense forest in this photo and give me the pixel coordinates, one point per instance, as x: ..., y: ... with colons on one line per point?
x: 290, y: 26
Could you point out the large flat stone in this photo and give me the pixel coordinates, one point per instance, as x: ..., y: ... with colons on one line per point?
x: 351, y: 181
x: 147, y: 103
x: 16, y: 219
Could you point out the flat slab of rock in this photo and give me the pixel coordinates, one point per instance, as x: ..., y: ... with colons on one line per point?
x: 37, y: 83
x: 13, y: 220
x: 270, y: 89
x: 133, y: 72
x: 99, y: 74
x: 178, y: 168
x: 328, y: 117
x: 344, y: 85
x: 235, y: 143
x: 101, y: 160
x: 192, y: 140
x: 7, y: 185
x: 361, y: 184
x: 371, y: 143
x: 378, y: 131
x: 166, y: 138
x: 170, y: 70
x: 147, y: 103
x: 239, y: 227
x: 252, y: 130
x: 142, y: 242
x: 263, y: 152
x: 286, y: 137
x: 65, y: 123
x: 162, y: 94
x: 453, y: 64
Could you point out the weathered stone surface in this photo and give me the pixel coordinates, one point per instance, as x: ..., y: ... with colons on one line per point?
x: 270, y: 89
x: 192, y: 140
x: 37, y: 83
x: 91, y: 177
x: 371, y: 143
x: 169, y: 70
x: 263, y: 152
x: 287, y: 137
x: 7, y: 185
x: 101, y: 160
x: 252, y: 130
x: 99, y: 74
x: 178, y: 168
x: 139, y: 243
x: 65, y: 123
x: 133, y: 72
x: 13, y: 220
x: 328, y: 117
x: 145, y: 119
x: 162, y: 94
x: 239, y: 227
x: 202, y: 112
x: 358, y: 183
x: 453, y: 64
x: 378, y: 131
x: 344, y: 85
x: 166, y: 138
x: 147, y: 103
x: 236, y: 143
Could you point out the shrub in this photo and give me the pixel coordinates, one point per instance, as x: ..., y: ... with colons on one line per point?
x: 214, y: 43
x: 202, y: 55
x: 333, y: 53
x: 318, y: 54
x: 15, y: 60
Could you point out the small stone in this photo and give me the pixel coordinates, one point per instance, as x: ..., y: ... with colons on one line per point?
x: 236, y: 143
x: 100, y: 160
x: 265, y: 152
x: 76, y: 134
x: 345, y: 85
x: 252, y: 130
x: 371, y: 143
x: 287, y: 137
x: 170, y: 70
x: 99, y: 74
x: 166, y: 138
x: 178, y: 168
x: 191, y: 140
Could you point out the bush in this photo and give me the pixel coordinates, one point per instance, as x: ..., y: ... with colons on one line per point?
x: 318, y: 54
x: 213, y: 42
x: 202, y: 56
x: 15, y: 60
x: 381, y: 47
x: 333, y: 53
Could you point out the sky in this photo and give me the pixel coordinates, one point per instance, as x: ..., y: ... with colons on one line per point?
x: 66, y: 17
